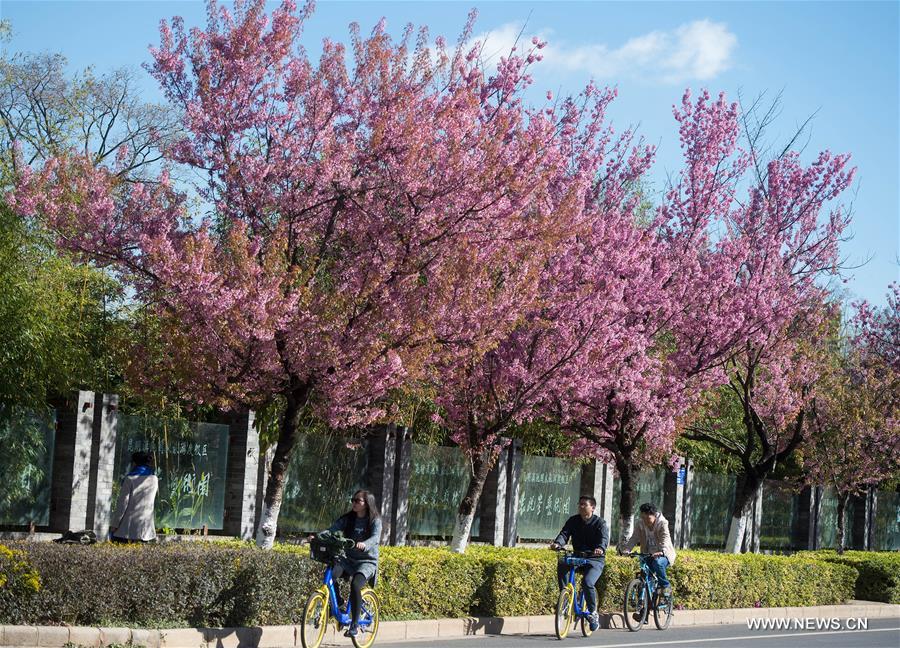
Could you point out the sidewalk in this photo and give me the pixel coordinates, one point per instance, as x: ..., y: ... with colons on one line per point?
x: 289, y: 636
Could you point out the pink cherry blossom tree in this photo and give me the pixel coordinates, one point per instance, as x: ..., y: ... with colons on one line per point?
x: 369, y: 215
x: 855, y: 419
x: 576, y: 303
x: 678, y: 331
x: 879, y: 329
x: 781, y: 243
x: 726, y: 278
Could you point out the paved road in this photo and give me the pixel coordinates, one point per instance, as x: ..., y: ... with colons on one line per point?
x: 881, y: 633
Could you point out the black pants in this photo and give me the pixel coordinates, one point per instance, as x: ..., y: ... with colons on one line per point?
x: 356, y: 584
x: 590, y: 575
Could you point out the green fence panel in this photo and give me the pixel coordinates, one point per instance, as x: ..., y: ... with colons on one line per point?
x: 324, y: 472
x: 26, y: 467
x: 438, y: 480
x: 887, y: 522
x: 827, y: 529
x: 191, y: 463
x: 780, y: 509
x: 548, y: 496
x: 712, y: 497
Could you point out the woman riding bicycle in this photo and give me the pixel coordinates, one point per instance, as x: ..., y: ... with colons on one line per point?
x: 362, y: 524
x: 590, y: 537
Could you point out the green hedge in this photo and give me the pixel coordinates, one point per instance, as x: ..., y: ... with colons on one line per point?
x: 701, y: 580
x: 235, y: 584
x: 179, y: 584
x: 878, y: 572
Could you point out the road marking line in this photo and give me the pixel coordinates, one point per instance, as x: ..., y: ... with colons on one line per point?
x: 743, y: 638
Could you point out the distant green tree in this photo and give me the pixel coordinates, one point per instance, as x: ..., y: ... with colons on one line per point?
x: 58, y: 325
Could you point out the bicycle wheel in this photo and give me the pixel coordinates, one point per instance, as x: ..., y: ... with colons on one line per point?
x: 636, y: 604
x: 315, y: 620
x: 585, y: 622
x: 565, y: 611
x: 663, y: 611
x: 369, y: 612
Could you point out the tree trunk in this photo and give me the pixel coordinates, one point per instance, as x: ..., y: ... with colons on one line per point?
x: 843, y: 498
x: 626, y: 500
x: 287, y: 439
x: 748, y: 487
x: 481, y: 466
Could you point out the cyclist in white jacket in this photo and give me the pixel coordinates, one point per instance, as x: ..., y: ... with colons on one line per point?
x: 651, y: 531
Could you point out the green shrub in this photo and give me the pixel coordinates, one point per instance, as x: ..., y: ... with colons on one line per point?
x: 236, y: 584
x: 183, y: 584
x: 19, y: 582
x: 711, y: 580
x: 428, y: 583
x: 878, y: 572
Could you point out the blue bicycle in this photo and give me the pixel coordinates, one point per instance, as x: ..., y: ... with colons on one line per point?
x: 321, y: 606
x: 642, y: 594
x: 572, y: 605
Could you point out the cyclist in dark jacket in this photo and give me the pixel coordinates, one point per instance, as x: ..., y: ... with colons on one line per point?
x: 363, y: 525
x: 589, y: 534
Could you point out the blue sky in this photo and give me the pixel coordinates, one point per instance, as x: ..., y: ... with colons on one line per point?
x: 836, y: 59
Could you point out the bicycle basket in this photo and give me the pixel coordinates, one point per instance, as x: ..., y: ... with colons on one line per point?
x: 323, y: 551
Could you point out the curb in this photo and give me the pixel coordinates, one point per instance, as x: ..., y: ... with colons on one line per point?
x: 289, y: 636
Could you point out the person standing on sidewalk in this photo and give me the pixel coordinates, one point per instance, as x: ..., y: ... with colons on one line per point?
x: 134, y: 519
x: 590, y: 537
x: 651, y: 531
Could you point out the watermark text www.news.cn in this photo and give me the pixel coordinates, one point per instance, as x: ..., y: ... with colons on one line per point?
x: 825, y: 623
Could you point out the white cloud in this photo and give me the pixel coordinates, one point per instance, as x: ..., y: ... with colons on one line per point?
x: 699, y: 50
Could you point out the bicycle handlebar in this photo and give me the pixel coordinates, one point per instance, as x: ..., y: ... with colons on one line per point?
x: 335, y: 541
x: 577, y: 554
x: 637, y: 554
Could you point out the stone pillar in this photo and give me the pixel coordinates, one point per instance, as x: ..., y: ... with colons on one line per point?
x: 400, y: 504
x: 382, y: 453
x: 805, y: 529
x: 72, y: 463
x: 597, y: 481
x: 800, y: 523
x: 513, y: 479
x: 242, y: 477
x: 673, y: 498
x: 103, y: 463
x: 858, y: 531
x: 686, y: 502
x: 494, y: 502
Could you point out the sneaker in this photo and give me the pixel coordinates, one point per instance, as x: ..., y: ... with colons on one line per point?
x: 594, y: 621
x: 667, y: 592
x: 637, y: 617
x: 352, y: 631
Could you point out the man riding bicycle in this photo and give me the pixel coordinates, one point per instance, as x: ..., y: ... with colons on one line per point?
x: 651, y: 531
x: 590, y: 537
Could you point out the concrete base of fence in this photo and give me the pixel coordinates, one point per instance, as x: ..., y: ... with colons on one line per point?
x: 289, y: 636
